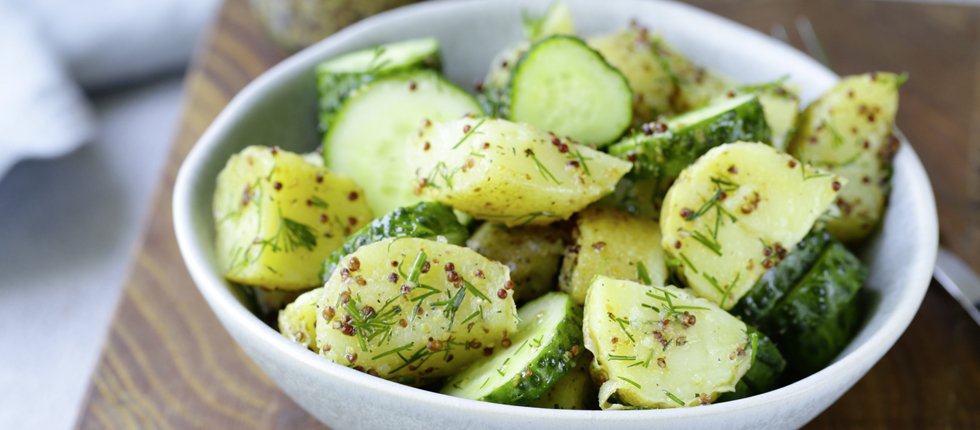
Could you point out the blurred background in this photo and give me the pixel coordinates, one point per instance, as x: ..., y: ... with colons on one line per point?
x: 91, y: 95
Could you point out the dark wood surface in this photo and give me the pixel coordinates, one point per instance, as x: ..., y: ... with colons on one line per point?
x: 167, y: 362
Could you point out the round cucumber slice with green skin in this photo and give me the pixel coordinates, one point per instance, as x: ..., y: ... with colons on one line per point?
x: 425, y: 220
x: 564, y: 86
x: 369, y: 138
x: 340, y: 76
x: 542, y: 351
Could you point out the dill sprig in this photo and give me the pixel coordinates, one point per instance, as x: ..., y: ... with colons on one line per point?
x: 642, y: 274
x: 674, y: 398
x: 623, y: 323
x: 541, y: 168
x: 395, y: 350
x: 667, y: 299
x: 474, y: 290
x: 577, y: 156
x: 631, y: 382
x: 709, y: 242
x: 469, y: 133
x: 318, y: 202
x: 614, y: 357
x: 689, y: 264
x: 289, y: 236
x: 371, y: 326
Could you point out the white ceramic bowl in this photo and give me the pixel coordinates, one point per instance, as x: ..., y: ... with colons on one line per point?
x: 279, y: 109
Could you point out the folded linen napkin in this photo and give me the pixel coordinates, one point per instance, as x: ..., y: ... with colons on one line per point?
x: 51, y: 51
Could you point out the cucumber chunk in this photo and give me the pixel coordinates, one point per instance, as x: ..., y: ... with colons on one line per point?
x: 413, y: 310
x: 563, y: 86
x: 542, y: 351
x: 575, y: 390
x: 277, y: 216
x: 738, y: 211
x: 425, y: 220
x: 613, y: 244
x: 297, y: 321
x: 769, y: 290
x: 819, y: 317
x: 662, y: 150
x: 533, y: 254
x: 340, y: 76
x: 368, y: 139
x: 661, y: 347
x: 510, y: 173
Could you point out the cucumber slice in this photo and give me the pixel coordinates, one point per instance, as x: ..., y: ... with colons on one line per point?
x: 543, y: 350
x: 425, y: 220
x: 575, y: 390
x: 562, y: 85
x: 769, y: 290
x: 818, y: 318
x: 368, y: 139
x: 661, y: 347
x: 662, y: 150
x: 338, y: 77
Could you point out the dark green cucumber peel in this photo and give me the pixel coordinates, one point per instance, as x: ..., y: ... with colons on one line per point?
x: 426, y: 220
x: 662, y: 150
x: 553, y: 360
x: 335, y: 86
x: 769, y: 290
x: 818, y: 318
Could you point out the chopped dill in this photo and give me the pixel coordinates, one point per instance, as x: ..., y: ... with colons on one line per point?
x: 614, y: 357
x: 674, y: 398
x: 631, y: 382
x: 709, y: 242
x: 642, y: 274
x: 541, y: 168
x: 318, y: 202
x: 622, y: 322
x: 469, y: 133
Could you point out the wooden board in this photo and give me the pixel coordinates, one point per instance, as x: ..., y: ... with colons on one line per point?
x: 168, y: 363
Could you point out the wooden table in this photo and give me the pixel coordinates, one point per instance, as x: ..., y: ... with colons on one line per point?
x: 167, y: 362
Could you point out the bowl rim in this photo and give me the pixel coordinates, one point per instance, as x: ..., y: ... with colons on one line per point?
x: 231, y: 312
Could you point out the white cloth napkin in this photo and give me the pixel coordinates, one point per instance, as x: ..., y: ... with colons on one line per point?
x: 43, y: 113
x: 50, y: 50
